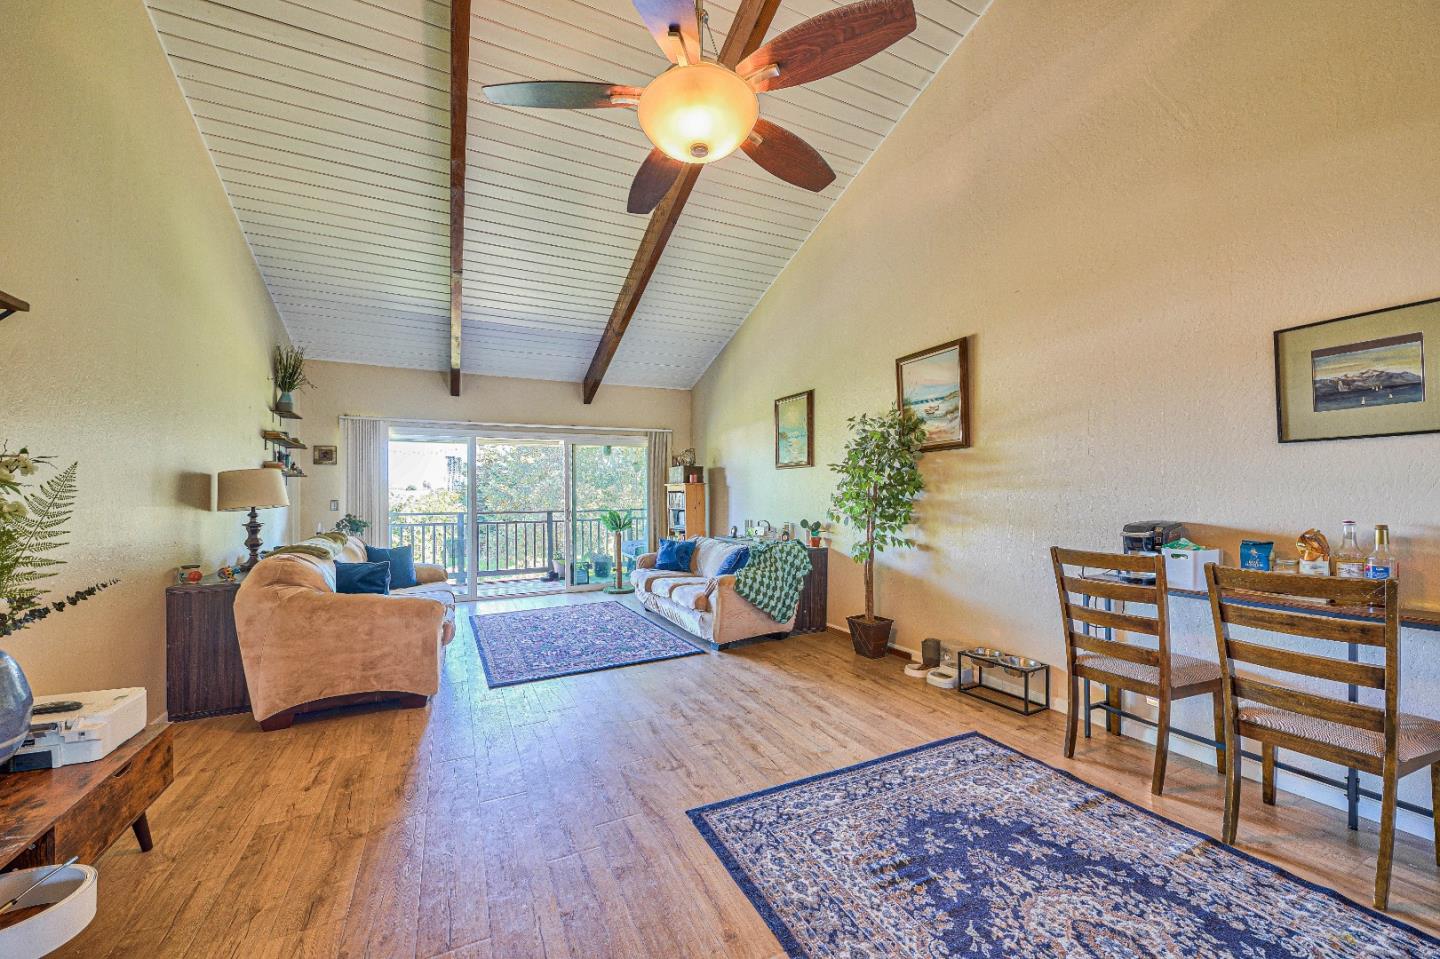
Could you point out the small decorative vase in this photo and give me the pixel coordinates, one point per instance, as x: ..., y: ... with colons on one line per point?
x: 285, y: 404
x: 16, y: 701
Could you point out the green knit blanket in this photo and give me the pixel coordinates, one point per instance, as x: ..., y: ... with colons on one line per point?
x: 771, y: 581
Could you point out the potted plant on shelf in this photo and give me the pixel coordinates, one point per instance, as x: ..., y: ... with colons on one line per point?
x: 814, y: 528
x: 31, y: 526
x: 617, y: 523
x: 879, y: 481
x: 289, y: 371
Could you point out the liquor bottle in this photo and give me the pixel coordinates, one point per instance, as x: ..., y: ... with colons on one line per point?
x: 1349, y: 560
x: 1381, y: 563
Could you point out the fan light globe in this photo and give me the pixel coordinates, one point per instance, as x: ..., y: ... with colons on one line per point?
x: 698, y: 113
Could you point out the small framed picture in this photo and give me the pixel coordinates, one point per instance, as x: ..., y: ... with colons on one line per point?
x: 1368, y: 374
x: 934, y: 384
x: 795, y: 430
x: 325, y: 456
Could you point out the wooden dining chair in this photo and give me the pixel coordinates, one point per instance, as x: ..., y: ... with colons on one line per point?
x: 1280, y: 708
x: 1155, y: 672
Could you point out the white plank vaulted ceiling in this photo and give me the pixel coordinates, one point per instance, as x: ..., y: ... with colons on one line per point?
x: 328, y: 121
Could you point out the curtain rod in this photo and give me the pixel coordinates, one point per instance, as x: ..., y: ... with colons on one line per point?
x: 402, y: 421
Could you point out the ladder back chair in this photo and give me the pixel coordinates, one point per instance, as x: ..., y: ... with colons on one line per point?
x: 1280, y: 709
x: 1157, y: 673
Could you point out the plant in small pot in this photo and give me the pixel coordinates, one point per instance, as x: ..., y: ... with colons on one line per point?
x: 32, y: 525
x: 352, y: 525
x: 557, y: 565
x: 879, y: 481
x: 617, y: 523
x: 815, y: 529
x: 289, y: 371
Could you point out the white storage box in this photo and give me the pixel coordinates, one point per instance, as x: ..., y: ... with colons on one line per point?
x: 1185, y: 568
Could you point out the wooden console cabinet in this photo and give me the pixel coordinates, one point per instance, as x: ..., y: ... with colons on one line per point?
x: 49, y: 815
x: 810, y: 614
x: 204, y: 675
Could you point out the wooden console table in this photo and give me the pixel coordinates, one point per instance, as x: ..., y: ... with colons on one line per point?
x: 815, y: 595
x: 49, y: 815
x: 204, y: 675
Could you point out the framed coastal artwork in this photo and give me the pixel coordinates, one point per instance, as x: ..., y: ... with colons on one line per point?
x: 325, y: 455
x: 1369, y: 374
x: 795, y: 430
x: 934, y: 384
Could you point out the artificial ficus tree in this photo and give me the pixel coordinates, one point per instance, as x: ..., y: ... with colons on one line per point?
x: 879, y: 481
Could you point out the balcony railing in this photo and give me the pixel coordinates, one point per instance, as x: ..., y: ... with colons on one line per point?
x: 508, y: 543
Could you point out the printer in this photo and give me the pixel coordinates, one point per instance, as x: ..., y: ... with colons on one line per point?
x: 1146, y: 538
x: 79, y: 728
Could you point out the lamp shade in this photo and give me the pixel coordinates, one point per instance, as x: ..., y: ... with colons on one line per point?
x: 250, y: 489
x: 698, y: 113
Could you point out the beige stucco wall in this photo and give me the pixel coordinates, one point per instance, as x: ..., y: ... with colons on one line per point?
x: 356, y: 390
x: 1119, y: 202
x: 145, y: 355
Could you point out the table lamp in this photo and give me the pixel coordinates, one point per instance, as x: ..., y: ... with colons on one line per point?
x: 250, y: 489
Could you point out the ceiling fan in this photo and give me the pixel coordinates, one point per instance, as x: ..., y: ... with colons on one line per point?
x: 699, y: 110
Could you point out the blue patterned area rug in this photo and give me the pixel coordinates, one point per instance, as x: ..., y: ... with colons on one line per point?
x: 534, y: 644
x: 965, y: 847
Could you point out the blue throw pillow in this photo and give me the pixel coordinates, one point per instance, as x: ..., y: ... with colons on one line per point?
x: 735, y: 562
x: 675, y: 555
x: 362, y: 578
x: 402, y: 564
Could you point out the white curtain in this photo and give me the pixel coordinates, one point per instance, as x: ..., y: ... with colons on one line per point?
x: 658, y: 463
x: 365, y: 446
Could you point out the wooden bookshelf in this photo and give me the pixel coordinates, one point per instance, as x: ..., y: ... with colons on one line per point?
x: 685, y: 514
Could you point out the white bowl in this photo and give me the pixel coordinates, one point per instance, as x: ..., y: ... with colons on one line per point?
x: 71, y: 895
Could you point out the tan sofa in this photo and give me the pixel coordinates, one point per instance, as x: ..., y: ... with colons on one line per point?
x: 307, y: 647
x: 700, y: 601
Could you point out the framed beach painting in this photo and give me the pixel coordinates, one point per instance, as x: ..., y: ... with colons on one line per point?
x: 795, y: 430
x: 1369, y: 374
x: 934, y: 384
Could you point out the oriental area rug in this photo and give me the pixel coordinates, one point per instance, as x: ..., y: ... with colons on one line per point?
x: 535, y: 644
x: 965, y: 847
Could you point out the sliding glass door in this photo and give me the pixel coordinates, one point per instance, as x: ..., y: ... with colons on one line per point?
x: 429, y: 501
x: 514, y: 513
x: 604, y: 478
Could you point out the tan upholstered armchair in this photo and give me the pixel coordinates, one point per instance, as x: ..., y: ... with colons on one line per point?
x: 306, y: 647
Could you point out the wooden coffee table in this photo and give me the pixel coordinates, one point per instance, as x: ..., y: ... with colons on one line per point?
x: 49, y: 815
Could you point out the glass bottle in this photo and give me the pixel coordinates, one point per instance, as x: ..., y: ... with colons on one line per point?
x: 1381, y: 563
x: 1349, y: 560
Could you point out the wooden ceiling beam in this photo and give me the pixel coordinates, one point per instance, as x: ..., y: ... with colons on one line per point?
x: 747, y: 33
x: 459, y: 115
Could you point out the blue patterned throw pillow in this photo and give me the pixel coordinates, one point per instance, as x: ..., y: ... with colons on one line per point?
x: 675, y: 555
x: 734, y: 562
x: 402, y: 564
x: 362, y: 578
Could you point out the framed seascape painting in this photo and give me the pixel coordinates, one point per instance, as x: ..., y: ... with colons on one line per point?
x: 795, y: 430
x: 1370, y: 374
x: 934, y: 384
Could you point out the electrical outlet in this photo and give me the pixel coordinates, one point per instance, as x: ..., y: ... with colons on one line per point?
x: 334, y: 506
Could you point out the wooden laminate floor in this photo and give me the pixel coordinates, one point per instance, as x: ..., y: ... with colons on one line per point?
x: 548, y: 820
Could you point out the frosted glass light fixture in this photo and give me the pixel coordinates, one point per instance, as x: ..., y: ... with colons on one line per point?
x: 698, y: 113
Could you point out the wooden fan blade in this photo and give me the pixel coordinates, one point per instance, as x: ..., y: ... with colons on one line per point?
x: 661, y: 16
x: 657, y: 174
x: 783, y: 154
x: 830, y: 42
x: 560, y: 94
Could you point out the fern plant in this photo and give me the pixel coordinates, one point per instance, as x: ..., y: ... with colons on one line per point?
x: 32, y: 527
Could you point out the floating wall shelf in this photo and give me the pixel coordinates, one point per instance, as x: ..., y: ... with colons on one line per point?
x: 11, y: 304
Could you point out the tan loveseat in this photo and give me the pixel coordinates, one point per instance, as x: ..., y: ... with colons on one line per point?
x: 307, y: 647
x: 700, y: 601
